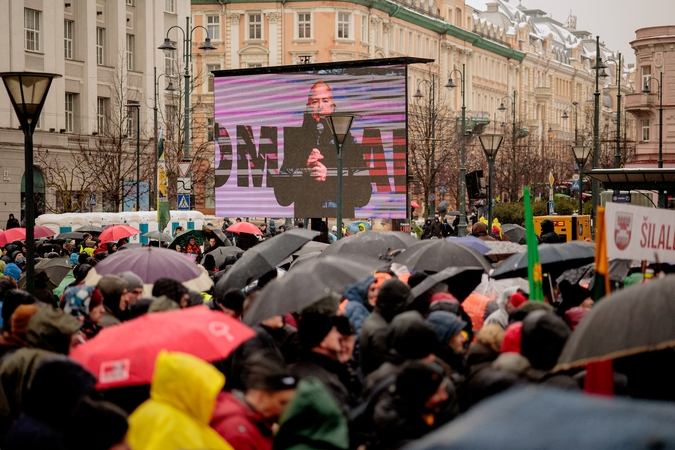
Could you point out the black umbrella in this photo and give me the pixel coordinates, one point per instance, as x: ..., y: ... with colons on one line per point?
x: 304, y: 259
x: 370, y: 243
x: 71, y: 235
x: 633, y: 320
x: 514, y: 232
x: 311, y: 247
x: 221, y: 253
x: 306, y: 284
x: 262, y: 258
x: 158, y: 236
x: 618, y: 271
x: 554, y: 259
x: 435, y: 255
x: 93, y: 229
x: 212, y: 231
x: 55, y: 268
x: 555, y: 419
x: 443, y: 206
x: 461, y: 281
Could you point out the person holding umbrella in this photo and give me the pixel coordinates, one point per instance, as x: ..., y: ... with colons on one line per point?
x: 191, y: 248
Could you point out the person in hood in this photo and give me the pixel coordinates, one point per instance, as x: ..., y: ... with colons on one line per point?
x: 134, y: 287
x: 548, y: 234
x: 43, y: 290
x: 357, y: 306
x: 543, y: 337
x: 480, y: 231
x: 12, y: 270
x: 182, y: 400
x: 451, y: 340
x: 55, y: 390
x: 392, y: 299
x: 245, y: 419
x: 85, y: 303
x: 12, y: 222
x: 113, y: 289
x: 170, y: 295
x: 97, y: 425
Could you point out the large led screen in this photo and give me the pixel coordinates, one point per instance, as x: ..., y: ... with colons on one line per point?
x: 275, y: 155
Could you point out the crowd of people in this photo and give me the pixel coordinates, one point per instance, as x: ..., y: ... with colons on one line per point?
x: 371, y: 367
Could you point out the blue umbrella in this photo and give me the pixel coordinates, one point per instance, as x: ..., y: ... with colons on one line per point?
x: 471, y: 241
x: 542, y: 418
x: 353, y: 227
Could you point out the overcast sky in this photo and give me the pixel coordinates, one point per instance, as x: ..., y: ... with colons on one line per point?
x: 615, y: 21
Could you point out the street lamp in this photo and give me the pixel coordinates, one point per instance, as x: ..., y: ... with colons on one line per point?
x: 581, y: 153
x: 647, y: 90
x: 169, y: 88
x: 490, y: 144
x: 599, y: 66
x: 430, y: 167
x: 168, y: 47
x: 617, y: 151
x: 138, y: 153
x: 461, y: 227
x: 576, y: 123
x: 514, y: 175
x: 28, y: 92
x: 339, y: 124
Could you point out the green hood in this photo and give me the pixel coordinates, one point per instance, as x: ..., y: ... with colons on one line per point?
x: 51, y: 329
x: 313, y: 420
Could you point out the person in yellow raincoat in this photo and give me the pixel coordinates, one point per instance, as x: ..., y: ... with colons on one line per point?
x: 177, y: 415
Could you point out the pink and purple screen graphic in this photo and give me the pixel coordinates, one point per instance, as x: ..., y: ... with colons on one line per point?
x: 275, y: 155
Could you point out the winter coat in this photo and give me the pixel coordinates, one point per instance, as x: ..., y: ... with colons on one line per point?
x: 239, y: 425
x: 396, y: 423
x: 312, y: 420
x: 50, y: 329
x: 327, y: 371
x: 355, y: 310
x: 182, y: 399
x: 55, y: 390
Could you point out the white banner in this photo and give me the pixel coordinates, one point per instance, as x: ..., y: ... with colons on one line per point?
x: 636, y: 232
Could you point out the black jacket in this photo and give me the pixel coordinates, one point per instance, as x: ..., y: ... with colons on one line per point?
x: 327, y: 371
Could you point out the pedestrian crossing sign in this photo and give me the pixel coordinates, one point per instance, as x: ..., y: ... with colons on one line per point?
x: 183, y: 202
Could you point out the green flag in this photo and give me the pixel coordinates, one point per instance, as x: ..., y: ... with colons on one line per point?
x: 163, y: 212
x: 533, y: 264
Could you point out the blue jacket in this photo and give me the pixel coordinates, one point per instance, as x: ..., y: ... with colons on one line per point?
x: 356, y: 310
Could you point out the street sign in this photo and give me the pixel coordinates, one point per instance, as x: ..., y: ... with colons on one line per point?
x: 576, y: 185
x: 432, y: 197
x: 183, y: 202
x: 621, y: 198
x: 442, y: 189
x: 551, y: 180
x: 184, y: 185
x: 92, y: 200
x: 184, y: 168
x: 575, y: 177
x: 551, y: 208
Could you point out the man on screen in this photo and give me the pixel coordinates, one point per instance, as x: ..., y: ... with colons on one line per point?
x: 308, y: 175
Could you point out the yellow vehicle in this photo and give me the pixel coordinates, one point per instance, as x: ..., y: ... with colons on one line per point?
x: 568, y: 227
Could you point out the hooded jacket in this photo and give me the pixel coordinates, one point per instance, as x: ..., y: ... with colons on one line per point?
x: 112, y: 287
x: 182, y: 399
x: 392, y: 299
x: 239, y: 425
x: 50, y: 329
x: 356, y: 310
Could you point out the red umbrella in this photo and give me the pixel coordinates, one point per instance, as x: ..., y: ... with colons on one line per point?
x: 14, y: 234
x: 244, y: 227
x: 124, y: 355
x: 117, y: 232
x: 414, y: 205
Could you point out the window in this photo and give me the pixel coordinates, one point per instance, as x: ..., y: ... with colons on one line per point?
x: 169, y: 5
x: 131, y: 43
x: 68, y: 38
x: 130, y: 2
x: 364, y: 29
x: 254, y: 65
x: 171, y: 115
x: 213, y: 27
x: 343, y: 24
x: 70, y: 111
x: 646, y: 76
x: 100, y: 46
x: 209, y: 129
x: 101, y: 114
x: 170, y: 63
x: 378, y: 34
x: 255, y: 26
x: 210, y: 68
x: 304, y: 25
x: 31, y: 24
x: 131, y: 119
x: 645, y: 129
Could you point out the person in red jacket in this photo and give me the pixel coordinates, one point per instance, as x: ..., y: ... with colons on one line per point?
x: 245, y: 419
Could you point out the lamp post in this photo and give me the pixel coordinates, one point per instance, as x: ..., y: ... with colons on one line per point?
x: 431, y: 137
x: 647, y: 90
x: 576, y: 142
x: 514, y: 175
x: 599, y: 65
x: 490, y: 144
x: 581, y: 153
x: 28, y: 92
x: 339, y: 124
x: 461, y: 227
x: 138, y: 153
x: 169, y: 88
x: 617, y: 150
x: 168, y: 47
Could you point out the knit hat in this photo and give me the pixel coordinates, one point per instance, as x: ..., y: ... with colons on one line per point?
x: 11, y: 301
x: 20, y: 318
x: 544, y: 336
x: 517, y: 299
x: 78, y: 301
x: 411, y: 337
x: 265, y: 371
x: 417, y: 381
x: 313, y: 328
x: 95, y: 425
x: 73, y: 258
x: 512, y: 338
x: 133, y: 280
x: 392, y: 298
x: 446, y: 325
x: 12, y: 270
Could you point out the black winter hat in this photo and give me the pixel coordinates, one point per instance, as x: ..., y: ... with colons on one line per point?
x: 95, y: 425
x: 313, y: 328
x: 267, y: 372
x: 411, y: 337
x: 417, y: 381
x: 392, y: 298
x: 544, y: 336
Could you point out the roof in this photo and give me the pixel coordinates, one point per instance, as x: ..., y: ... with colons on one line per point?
x: 635, y: 179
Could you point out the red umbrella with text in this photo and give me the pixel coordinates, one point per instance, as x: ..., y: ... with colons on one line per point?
x: 124, y: 355
x: 117, y: 232
x: 244, y: 227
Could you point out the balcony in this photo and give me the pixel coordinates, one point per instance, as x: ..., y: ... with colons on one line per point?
x: 543, y: 94
x: 641, y: 105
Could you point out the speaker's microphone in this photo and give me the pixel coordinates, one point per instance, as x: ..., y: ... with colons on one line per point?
x: 319, y: 128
